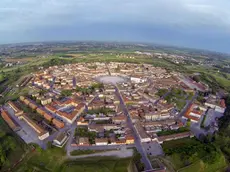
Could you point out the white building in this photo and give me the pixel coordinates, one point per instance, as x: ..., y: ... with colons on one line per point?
x: 101, y: 141
x: 60, y: 140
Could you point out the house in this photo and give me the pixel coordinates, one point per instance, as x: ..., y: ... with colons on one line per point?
x: 59, y: 124
x: 119, y: 119
x: 129, y: 139
x: 101, y: 141
x: 71, y: 117
x: 46, y: 101
x: 192, y: 114
x: 17, y: 111
x: 137, y: 79
x: 121, y: 142
x: 60, y: 140
x: 159, y: 123
x: 102, y: 127
x: 161, y: 139
x: 12, y: 124
x: 40, y: 111
x: 44, y: 114
x: 50, y: 108
x: 142, y: 133
x: 42, y: 134
x: 216, y: 104
x: 83, y: 141
x: 47, y: 116
x: 82, y: 122
x: 32, y: 105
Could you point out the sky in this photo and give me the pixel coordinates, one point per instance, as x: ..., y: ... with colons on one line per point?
x: 203, y: 24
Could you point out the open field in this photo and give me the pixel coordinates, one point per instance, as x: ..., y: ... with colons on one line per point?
x: 200, y: 166
x: 1, y: 77
x: 14, y: 60
x: 192, y: 162
x: 179, y: 142
x: 212, y: 76
x: 54, y: 160
x: 40, y: 160
x: 98, y: 164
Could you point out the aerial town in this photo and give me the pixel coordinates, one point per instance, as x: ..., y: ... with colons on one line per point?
x: 111, y: 105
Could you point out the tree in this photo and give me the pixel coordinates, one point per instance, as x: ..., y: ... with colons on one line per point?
x: 9, y: 143
x: 196, y: 78
x: 2, y: 134
x: 66, y: 93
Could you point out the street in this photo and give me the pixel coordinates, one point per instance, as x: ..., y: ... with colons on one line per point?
x: 140, y: 149
x: 138, y: 144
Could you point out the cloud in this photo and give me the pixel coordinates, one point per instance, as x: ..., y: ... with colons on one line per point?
x: 24, y: 14
x: 30, y: 19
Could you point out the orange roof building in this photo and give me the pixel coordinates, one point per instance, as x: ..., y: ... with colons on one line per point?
x: 48, y: 116
x: 129, y: 139
x: 12, y: 124
x: 50, y: 108
x: 42, y: 134
x: 17, y: 111
x: 193, y: 114
x: 57, y: 123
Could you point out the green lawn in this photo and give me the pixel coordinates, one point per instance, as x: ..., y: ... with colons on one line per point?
x: 193, y: 163
x: 54, y: 160
x: 212, y: 76
x: 1, y: 77
x: 48, y: 160
x: 169, y: 132
x: 179, y: 142
x: 97, y: 164
x: 200, y: 166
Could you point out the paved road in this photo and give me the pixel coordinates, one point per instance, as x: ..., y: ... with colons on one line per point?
x: 138, y: 143
x: 118, y: 153
x: 68, y: 145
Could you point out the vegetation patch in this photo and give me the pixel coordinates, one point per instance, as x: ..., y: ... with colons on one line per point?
x: 85, y: 152
x: 12, y: 147
x: 83, y: 132
x: 99, y: 164
x: 43, y: 160
x: 169, y: 132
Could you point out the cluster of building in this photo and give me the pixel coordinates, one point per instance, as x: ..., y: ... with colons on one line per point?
x: 42, y: 133
x: 106, y: 119
x: 67, y: 77
x: 212, y: 105
x: 99, y: 112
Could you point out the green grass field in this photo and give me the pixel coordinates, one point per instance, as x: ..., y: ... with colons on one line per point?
x: 97, y: 164
x: 48, y: 160
x: 54, y: 160
x: 200, y: 166
x: 179, y: 142
x: 1, y: 77
x: 197, y: 164
x: 212, y: 74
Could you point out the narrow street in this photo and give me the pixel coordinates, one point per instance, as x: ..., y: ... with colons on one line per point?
x: 138, y: 144
x: 140, y: 149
